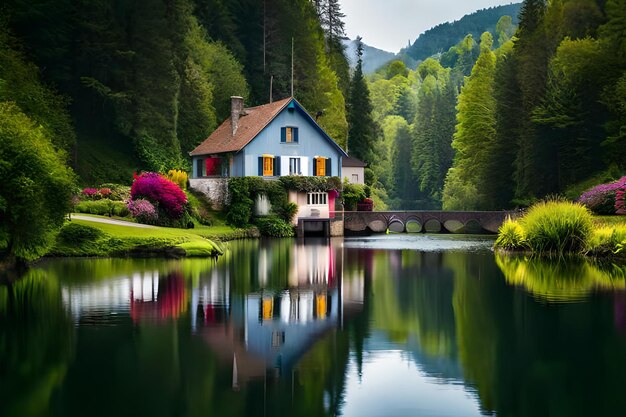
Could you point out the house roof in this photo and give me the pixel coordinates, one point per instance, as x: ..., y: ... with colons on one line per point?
x: 251, y: 123
x: 350, y: 162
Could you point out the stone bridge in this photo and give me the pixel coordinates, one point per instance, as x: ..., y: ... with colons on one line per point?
x: 425, y: 221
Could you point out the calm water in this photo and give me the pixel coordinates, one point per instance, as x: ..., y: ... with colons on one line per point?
x: 383, y: 326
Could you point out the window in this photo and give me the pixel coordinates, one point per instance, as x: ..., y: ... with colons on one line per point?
x: 199, y: 168
x: 289, y: 134
x: 278, y: 339
x: 317, y: 199
x: 355, y: 178
x: 320, y: 166
x: 294, y: 166
x: 268, y: 166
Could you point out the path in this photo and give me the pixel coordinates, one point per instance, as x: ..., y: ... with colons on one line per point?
x: 110, y: 221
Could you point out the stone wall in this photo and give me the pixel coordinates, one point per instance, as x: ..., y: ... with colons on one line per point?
x: 336, y: 227
x: 216, y: 189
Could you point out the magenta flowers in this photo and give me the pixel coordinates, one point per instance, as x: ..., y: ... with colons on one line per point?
x: 163, y: 193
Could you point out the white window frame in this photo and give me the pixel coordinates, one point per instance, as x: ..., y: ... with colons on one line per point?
x: 317, y: 198
x: 297, y: 163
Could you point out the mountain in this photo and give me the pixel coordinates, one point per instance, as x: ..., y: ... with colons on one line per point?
x: 441, y: 37
x: 373, y: 58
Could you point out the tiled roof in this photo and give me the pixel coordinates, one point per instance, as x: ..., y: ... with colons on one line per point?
x: 250, y: 124
x: 352, y: 162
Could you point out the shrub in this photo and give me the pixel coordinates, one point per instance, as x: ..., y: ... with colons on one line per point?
x: 178, y: 177
x: 275, y: 227
x: 74, y: 233
x: 118, y: 192
x: 90, y: 193
x: 557, y: 227
x: 105, y: 192
x: 352, y: 194
x: 143, y: 210
x: 289, y: 211
x: 166, y: 195
x: 601, y: 199
x: 311, y: 184
x: 511, y: 236
x: 104, y: 207
x: 620, y: 201
x: 240, y: 208
x: 239, y: 214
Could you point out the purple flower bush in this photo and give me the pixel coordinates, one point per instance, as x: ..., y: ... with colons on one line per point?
x: 163, y: 193
x: 601, y: 199
x: 143, y: 210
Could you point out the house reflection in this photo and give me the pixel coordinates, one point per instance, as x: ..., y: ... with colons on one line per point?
x: 269, y: 329
x: 259, y: 308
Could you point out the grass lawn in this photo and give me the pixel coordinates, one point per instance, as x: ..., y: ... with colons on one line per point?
x: 88, y: 238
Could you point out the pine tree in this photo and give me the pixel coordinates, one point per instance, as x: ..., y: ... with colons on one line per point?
x: 534, y: 157
x: 475, y: 129
x: 361, y: 125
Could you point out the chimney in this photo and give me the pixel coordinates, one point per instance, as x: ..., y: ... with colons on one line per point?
x: 236, y: 110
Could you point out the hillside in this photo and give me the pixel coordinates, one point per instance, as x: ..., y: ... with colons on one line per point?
x: 373, y: 58
x: 441, y: 37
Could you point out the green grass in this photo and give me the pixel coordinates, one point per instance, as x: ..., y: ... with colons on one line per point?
x: 90, y: 238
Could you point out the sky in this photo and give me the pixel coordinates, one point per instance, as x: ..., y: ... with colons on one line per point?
x: 389, y: 24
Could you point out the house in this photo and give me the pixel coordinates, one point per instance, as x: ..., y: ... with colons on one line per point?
x: 269, y: 141
x: 353, y: 170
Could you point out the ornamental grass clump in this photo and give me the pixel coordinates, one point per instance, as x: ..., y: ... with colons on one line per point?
x: 511, y: 236
x: 608, y: 241
x: 557, y: 227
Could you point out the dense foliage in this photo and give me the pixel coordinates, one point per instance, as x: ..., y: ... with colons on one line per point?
x: 552, y: 110
x: 152, y: 79
x: 36, y: 186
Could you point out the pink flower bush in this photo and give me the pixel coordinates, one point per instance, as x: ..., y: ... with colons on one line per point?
x: 143, y: 210
x: 601, y: 199
x: 89, y: 192
x: 162, y: 192
x: 104, y: 192
x: 620, y: 201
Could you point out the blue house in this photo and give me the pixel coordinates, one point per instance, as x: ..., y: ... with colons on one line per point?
x: 269, y: 141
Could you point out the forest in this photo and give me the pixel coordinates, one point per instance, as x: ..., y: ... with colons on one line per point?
x: 534, y: 106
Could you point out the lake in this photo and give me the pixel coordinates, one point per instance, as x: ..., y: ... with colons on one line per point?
x: 391, y: 325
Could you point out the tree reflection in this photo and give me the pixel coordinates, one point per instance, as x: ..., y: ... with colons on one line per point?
x: 36, y: 344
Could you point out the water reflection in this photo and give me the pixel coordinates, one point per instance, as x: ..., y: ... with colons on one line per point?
x: 315, y: 328
x: 561, y: 280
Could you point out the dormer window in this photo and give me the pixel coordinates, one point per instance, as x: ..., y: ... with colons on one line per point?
x: 289, y: 134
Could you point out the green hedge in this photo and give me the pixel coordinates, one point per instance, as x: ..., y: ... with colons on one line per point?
x: 274, y: 227
x: 104, y: 207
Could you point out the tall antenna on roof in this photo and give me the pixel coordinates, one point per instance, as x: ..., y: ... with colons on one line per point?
x: 292, y: 66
